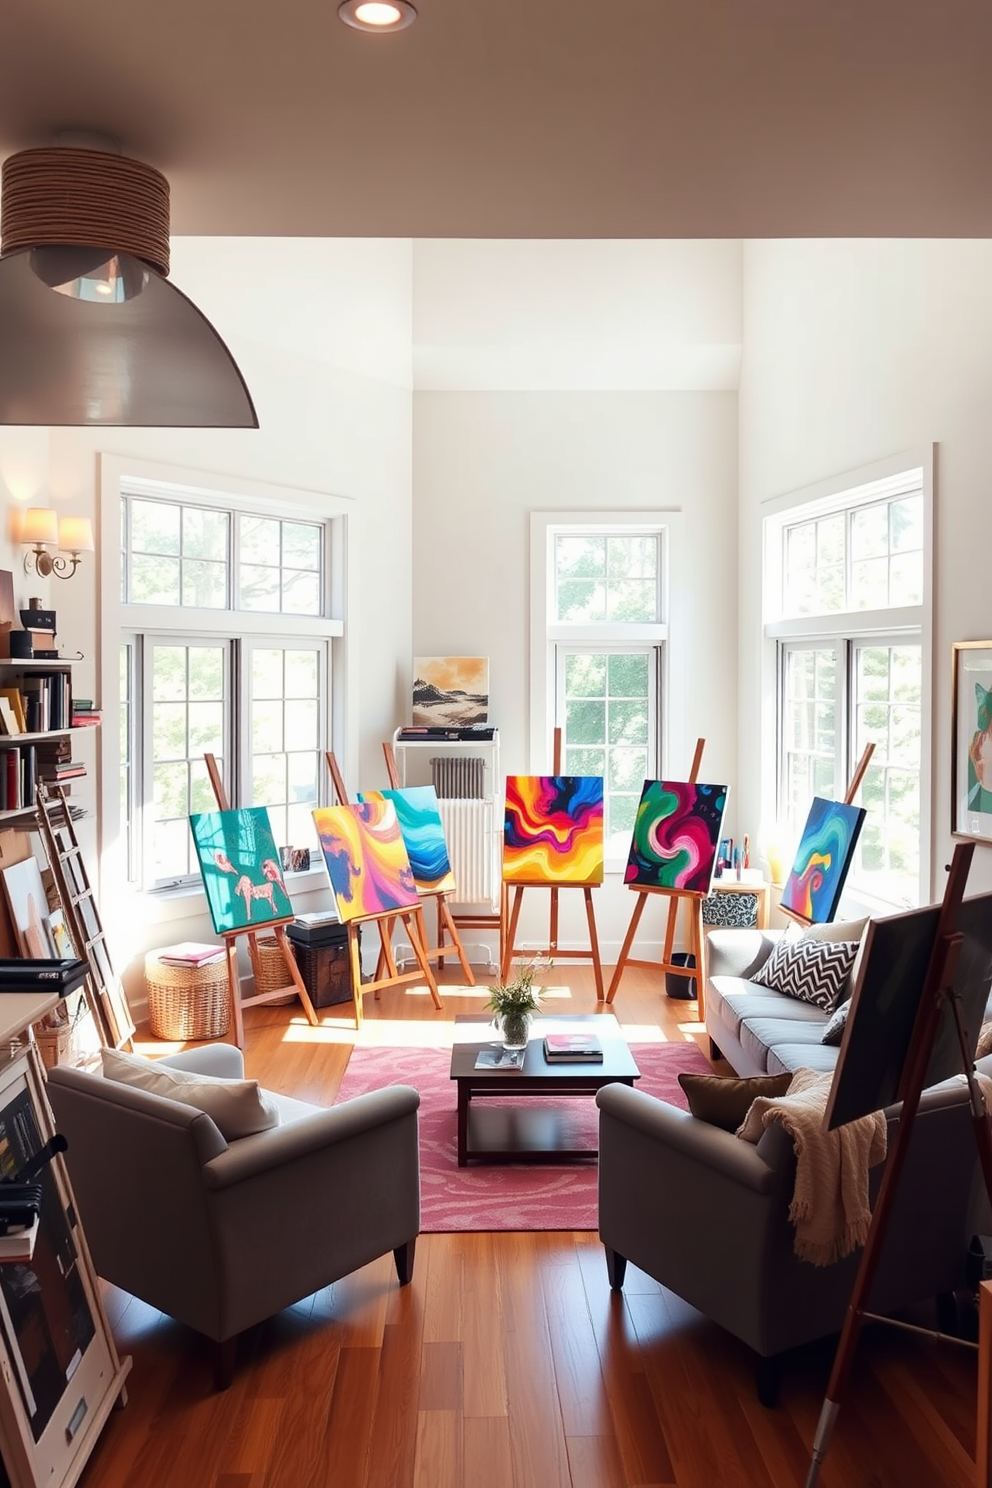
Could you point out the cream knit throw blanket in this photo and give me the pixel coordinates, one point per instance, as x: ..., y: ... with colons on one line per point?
x: 830, y: 1207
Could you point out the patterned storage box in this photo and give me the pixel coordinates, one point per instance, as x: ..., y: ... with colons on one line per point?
x: 737, y: 911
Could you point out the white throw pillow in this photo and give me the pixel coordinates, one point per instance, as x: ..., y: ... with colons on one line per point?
x: 812, y: 970
x: 238, y: 1107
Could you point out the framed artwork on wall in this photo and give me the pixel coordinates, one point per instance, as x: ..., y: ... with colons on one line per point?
x: 971, y: 740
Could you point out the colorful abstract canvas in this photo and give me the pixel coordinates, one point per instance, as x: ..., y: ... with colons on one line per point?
x: 553, y: 830
x: 450, y: 691
x: 239, y: 864
x: 813, y: 888
x: 366, y: 859
x: 676, y: 836
x: 423, y: 834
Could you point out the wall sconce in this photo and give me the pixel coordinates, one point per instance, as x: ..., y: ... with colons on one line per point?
x: 42, y: 529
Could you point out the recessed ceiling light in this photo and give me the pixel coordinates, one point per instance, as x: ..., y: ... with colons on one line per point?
x: 377, y: 15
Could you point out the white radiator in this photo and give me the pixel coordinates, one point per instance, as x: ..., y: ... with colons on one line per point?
x: 469, y: 834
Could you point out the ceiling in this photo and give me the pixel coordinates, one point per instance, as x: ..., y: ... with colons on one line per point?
x: 527, y: 118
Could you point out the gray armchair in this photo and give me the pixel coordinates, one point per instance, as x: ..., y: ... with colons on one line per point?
x: 706, y: 1214
x: 223, y: 1235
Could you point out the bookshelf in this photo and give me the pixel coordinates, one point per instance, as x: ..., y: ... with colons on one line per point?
x: 38, y: 695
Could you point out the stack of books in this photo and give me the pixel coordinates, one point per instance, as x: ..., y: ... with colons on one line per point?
x: 84, y: 715
x: 54, y: 763
x: 190, y: 953
x: 573, y: 1048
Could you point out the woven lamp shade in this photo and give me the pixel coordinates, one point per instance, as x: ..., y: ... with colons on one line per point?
x: 92, y: 330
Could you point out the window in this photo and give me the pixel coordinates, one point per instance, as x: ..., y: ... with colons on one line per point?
x: 845, y: 590
x: 201, y: 671
x: 601, y: 657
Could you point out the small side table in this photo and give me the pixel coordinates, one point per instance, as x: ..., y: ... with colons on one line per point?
x: 187, y: 1002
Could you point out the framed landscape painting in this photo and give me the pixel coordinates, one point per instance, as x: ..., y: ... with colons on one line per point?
x: 971, y: 740
x: 553, y: 830
x: 366, y: 859
x: 676, y: 836
x: 813, y: 888
x: 450, y: 691
x: 422, y: 830
x: 239, y: 864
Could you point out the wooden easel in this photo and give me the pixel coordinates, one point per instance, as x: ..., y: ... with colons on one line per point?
x: 937, y: 991
x: 849, y: 795
x: 384, y: 924
x: 693, y: 901
x: 554, y: 951
x: 445, y: 921
x: 230, y: 939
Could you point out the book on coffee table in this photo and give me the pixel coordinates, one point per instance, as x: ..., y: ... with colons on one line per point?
x: 567, y: 1048
x: 500, y: 1059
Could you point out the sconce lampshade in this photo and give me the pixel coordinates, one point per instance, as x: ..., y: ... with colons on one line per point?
x: 93, y: 332
x: 40, y: 525
x: 75, y: 534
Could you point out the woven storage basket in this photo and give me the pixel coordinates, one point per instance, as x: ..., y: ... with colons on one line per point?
x: 187, y: 1002
x: 272, y: 971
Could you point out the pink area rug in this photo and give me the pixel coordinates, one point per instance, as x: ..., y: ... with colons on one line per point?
x: 514, y: 1196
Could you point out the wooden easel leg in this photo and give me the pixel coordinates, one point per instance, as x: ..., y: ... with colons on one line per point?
x: 594, y: 945
x: 419, y: 950
x: 381, y: 965
x: 297, y: 977
x: 553, y: 930
x: 444, y: 913
x: 356, y: 972
x: 983, y: 1434
x: 628, y: 941
x: 510, y: 939
x: 234, y: 988
x: 697, y: 941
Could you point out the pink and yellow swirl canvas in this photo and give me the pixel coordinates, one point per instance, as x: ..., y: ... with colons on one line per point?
x: 553, y: 830
x: 366, y: 859
x: 676, y: 835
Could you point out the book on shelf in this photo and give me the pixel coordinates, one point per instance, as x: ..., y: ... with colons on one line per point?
x: 86, y: 719
x: 191, y: 953
x: 481, y: 731
x: 500, y: 1059
x: 568, y: 1048
x: 18, y: 1244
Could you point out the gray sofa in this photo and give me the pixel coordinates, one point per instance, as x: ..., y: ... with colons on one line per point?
x: 757, y: 1030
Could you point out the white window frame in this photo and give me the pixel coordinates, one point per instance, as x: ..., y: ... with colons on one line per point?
x: 550, y: 638
x: 887, y: 479
x: 154, y: 481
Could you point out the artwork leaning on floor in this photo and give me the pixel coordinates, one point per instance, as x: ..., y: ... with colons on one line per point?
x: 814, y: 886
x: 422, y: 829
x: 239, y: 864
x: 366, y: 859
x: 553, y: 830
x: 676, y: 836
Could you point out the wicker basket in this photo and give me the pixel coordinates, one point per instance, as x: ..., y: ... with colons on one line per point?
x: 187, y: 1002
x: 271, y: 971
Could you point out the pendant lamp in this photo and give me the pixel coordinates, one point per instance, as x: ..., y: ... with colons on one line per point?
x: 91, y: 330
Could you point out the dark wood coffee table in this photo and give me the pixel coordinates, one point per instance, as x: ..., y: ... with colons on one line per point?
x: 516, y: 1133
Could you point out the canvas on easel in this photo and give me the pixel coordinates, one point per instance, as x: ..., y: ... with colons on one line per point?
x: 245, y: 891
x: 372, y: 883
x: 553, y: 839
x: 673, y: 856
x: 826, y: 850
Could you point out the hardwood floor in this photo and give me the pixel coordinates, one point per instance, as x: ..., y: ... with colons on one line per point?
x: 508, y: 1363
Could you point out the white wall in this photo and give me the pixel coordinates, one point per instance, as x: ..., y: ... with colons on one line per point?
x: 322, y: 332
x: 482, y: 463
x: 853, y: 352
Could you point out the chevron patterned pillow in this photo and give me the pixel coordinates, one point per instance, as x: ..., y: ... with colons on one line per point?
x: 814, y: 971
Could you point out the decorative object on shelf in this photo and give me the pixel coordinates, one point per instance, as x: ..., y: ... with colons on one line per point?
x: 42, y: 528
x: 515, y: 1001
x: 971, y: 740
x: 450, y: 692
x: 84, y: 260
